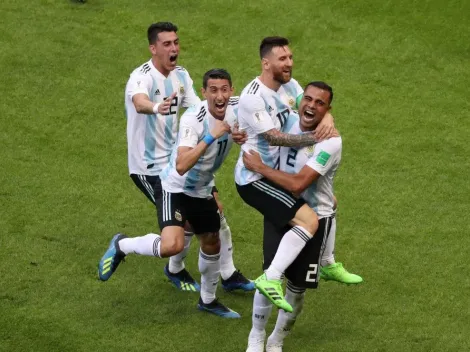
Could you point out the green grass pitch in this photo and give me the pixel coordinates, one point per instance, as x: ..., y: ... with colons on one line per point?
x: 401, y: 74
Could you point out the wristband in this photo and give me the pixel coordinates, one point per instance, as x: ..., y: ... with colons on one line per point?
x: 208, y: 139
x: 155, y: 108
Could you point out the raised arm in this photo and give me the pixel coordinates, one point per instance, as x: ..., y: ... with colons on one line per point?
x: 189, y: 150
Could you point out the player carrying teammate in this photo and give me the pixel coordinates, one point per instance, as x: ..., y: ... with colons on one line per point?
x: 263, y: 111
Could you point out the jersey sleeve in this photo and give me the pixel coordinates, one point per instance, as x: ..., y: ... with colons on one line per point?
x: 189, y: 130
x: 190, y: 97
x: 326, y: 155
x: 139, y: 83
x: 299, y: 93
x: 251, y: 109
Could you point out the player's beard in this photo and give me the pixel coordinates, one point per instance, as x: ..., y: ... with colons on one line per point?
x: 280, y: 77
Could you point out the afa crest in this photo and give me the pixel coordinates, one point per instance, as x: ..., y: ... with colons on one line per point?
x: 181, y: 90
x: 310, y: 150
x: 291, y: 102
x: 178, y: 215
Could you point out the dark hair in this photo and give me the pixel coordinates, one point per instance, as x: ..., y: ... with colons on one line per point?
x: 268, y: 43
x: 321, y: 85
x: 155, y: 28
x: 216, y: 73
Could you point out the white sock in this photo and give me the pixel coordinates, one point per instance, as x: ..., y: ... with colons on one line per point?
x: 291, y: 245
x: 176, y: 263
x: 261, y: 312
x: 227, y: 268
x: 145, y: 245
x: 209, y: 266
x: 328, y: 256
x: 285, y: 321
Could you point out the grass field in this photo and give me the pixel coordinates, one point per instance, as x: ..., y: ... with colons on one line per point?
x: 401, y: 74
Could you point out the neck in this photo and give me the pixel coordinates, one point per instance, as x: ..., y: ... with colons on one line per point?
x: 159, y: 67
x: 267, y: 79
x: 308, y: 129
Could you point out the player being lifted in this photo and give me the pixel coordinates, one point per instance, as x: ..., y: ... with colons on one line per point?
x: 184, y: 192
x: 155, y: 92
x: 263, y: 111
x: 308, y: 172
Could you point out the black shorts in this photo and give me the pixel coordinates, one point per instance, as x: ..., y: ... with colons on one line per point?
x: 304, y: 270
x: 275, y: 203
x: 173, y: 209
x: 147, y: 185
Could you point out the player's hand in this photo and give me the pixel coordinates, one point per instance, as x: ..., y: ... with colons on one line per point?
x: 252, y: 161
x: 220, y: 128
x: 238, y: 136
x: 326, y: 128
x: 164, y: 107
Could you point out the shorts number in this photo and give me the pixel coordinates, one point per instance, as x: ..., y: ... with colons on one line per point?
x: 173, y: 106
x: 311, y: 274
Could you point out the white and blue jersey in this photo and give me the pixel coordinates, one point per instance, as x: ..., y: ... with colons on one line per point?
x: 150, y: 138
x: 324, y: 158
x: 196, y: 123
x: 262, y: 109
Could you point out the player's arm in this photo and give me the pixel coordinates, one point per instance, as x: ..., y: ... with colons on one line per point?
x: 189, y: 150
x: 190, y: 97
x: 278, y: 138
x: 295, y: 183
x: 143, y: 104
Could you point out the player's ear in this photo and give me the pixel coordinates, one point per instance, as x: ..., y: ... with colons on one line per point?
x: 203, y: 92
x: 153, y: 49
x: 265, y: 63
x: 232, y: 89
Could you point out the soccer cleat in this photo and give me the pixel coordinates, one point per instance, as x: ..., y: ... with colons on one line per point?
x: 111, y: 258
x: 336, y: 272
x: 182, y: 280
x: 256, y: 343
x: 217, y: 308
x: 238, y: 282
x: 272, y: 290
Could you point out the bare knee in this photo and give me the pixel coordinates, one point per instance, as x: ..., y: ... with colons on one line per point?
x: 306, y: 218
x: 210, y: 243
x: 172, y: 241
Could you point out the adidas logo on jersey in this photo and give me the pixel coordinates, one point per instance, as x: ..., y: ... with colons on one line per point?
x: 157, y: 92
x: 270, y: 109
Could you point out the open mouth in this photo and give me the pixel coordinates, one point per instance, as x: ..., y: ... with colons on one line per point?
x: 173, y: 58
x: 219, y: 106
x: 309, y: 115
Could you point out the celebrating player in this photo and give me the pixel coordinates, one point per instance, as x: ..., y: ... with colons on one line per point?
x: 308, y: 172
x: 263, y: 111
x: 155, y: 92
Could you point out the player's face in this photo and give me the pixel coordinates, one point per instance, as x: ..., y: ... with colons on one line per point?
x: 166, y: 49
x: 217, y: 93
x: 313, y: 107
x: 280, y: 63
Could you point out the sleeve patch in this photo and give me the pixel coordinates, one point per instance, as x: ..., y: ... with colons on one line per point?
x: 323, y: 157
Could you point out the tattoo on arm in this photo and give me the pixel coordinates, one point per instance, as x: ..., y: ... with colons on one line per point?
x: 288, y: 140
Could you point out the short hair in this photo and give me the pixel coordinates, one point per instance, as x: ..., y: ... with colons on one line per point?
x: 321, y: 85
x: 216, y: 73
x: 159, y: 27
x: 268, y: 43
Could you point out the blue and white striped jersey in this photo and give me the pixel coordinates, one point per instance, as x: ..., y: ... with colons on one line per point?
x: 324, y: 158
x: 262, y: 109
x: 150, y: 138
x: 195, y: 123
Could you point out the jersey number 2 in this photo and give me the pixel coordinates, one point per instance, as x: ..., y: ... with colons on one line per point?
x: 291, y: 157
x: 173, y: 106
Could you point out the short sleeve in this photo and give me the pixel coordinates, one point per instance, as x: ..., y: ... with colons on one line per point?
x: 251, y: 109
x: 188, y: 135
x: 190, y: 97
x: 326, y: 155
x: 139, y: 83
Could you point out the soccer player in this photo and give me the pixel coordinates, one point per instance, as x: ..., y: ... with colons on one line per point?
x: 262, y: 113
x: 184, y: 192
x: 155, y: 92
x: 308, y: 172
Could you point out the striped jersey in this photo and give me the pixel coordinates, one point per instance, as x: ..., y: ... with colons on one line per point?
x: 324, y: 158
x: 262, y: 109
x: 196, y: 123
x: 150, y: 138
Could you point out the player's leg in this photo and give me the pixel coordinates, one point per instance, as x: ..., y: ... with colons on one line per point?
x: 204, y: 217
x: 281, y: 208
x: 232, y: 279
x: 330, y: 270
x: 301, y: 274
x: 285, y: 321
x: 262, y: 307
x: 171, y: 241
x: 146, y: 184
